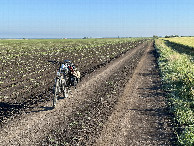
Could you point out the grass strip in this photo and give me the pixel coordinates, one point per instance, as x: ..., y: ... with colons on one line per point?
x: 177, y: 72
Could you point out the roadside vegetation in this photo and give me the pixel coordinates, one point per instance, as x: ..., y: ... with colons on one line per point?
x: 177, y: 70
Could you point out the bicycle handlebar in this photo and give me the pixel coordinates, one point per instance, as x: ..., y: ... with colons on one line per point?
x: 58, y: 62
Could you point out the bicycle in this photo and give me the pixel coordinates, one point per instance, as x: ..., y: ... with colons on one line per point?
x: 65, y: 78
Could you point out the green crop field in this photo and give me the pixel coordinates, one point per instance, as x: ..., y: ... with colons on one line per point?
x: 182, y: 44
x: 187, y: 41
x: 25, y: 70
x: 27, y: 58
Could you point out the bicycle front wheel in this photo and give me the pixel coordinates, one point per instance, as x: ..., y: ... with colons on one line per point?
x: 56, y: 92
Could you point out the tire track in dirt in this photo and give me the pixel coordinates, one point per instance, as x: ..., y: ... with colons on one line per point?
x: 30, y: 128
x: 141, y: 115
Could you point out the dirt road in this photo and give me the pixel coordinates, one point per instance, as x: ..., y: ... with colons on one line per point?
x: 119, y: 104
x: 140, y: 116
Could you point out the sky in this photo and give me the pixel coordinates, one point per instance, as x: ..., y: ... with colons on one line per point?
x: 95, y: 18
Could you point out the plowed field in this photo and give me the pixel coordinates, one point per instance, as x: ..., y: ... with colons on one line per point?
x: 118, y: 102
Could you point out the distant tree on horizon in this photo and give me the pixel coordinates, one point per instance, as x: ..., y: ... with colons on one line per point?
x: 155, y: 36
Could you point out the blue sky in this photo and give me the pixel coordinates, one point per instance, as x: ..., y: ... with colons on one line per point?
x: 95, y: 18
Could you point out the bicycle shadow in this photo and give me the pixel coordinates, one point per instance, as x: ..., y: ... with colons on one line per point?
x: 46, y: 108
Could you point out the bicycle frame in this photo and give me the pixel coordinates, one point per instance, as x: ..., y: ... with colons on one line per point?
x: 61, y: 84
